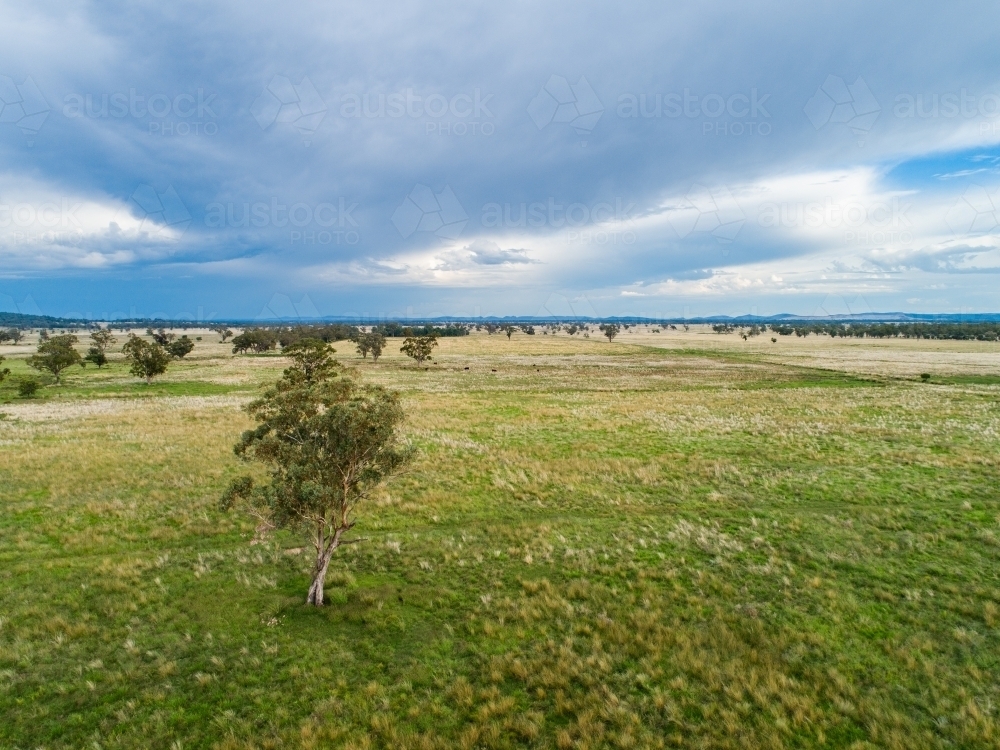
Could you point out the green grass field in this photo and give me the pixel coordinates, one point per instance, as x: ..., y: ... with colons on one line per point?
x: 684, y: 541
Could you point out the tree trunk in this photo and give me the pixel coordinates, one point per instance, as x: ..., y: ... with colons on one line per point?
x: 323, y: 557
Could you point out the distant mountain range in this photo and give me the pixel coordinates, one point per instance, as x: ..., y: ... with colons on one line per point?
x: 18, y: 320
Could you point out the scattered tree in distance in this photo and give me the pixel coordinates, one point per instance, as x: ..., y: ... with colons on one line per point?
x: 373, y: 342
x: 55, y: 354
x: 363, y: 345
x: 180, y: 347
x: 418, y: 347
x: 97, y: 353
x: 160, y: 336
x: 224, y: 333
x: 27, y: 387
x: 10, y: 334
x: 146, y: 360
x: 376, y: 342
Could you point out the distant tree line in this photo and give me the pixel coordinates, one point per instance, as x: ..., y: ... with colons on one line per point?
x: 979, y: 331
x: 326, y: 332
x: 398, y: 330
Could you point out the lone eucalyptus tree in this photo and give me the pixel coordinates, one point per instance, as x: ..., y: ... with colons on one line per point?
x: 328, y: 442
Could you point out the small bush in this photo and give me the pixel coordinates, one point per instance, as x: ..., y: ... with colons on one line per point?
x: 925, y: 376
x: 27, y: 387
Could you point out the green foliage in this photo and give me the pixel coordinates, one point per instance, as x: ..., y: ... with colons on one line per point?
x: 313, y: 362
x: 10, y: 334
x: 55, y: 354
x: 362, y: 345
x: 398, y: 330
x: 373, y: 341
x: 180, y: 347
x: 161, y: 336
x: 27, y: 387
x: 418, y: 347
x: 328, y: 443
x: 610, y: 330
x: 223, y: 331
x: 376, y: 342
x: 102, y: 338
x: 96, y: 355
x: 4, y: 372
x: 18, y: 320
x: 258, y: 340
x: 978, y: 331
x: 328, y: 332
x: 146, y: 360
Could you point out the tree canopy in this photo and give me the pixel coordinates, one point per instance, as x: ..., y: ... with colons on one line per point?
x: 55, y: 354
x: 10, y: 334
x: 146, y: 360
x: 101, y: 339
x: 418, y: 347
x: 180, y: 347
x: 373, y: 342
x: 224, y: 333
x: 258, y: 340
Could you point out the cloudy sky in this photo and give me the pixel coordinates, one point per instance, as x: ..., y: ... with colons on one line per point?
x: 244, y: 159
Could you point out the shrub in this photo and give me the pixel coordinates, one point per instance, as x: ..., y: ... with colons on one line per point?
x: 27, y: 387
